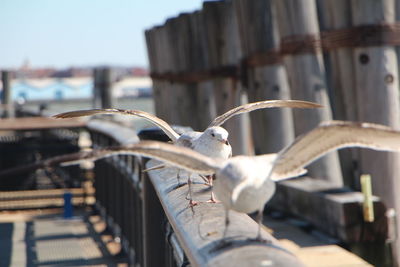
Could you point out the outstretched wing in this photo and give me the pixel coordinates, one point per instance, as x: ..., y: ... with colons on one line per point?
x: 153, y: 119
x: 333, y: 135
x: 181, y: 157
x: 54, y: 161
x: 262, y: 104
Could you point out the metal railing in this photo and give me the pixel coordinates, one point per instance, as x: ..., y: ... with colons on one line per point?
x: 150, y: 215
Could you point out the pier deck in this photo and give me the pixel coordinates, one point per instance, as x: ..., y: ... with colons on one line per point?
x: 45, y: 238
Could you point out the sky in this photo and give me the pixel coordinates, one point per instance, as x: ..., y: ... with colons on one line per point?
x: 66, y: 33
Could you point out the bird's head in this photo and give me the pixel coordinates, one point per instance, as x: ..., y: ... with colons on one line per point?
x: 218, y: 133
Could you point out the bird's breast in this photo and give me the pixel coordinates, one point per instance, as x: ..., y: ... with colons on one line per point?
x: 257, y: 189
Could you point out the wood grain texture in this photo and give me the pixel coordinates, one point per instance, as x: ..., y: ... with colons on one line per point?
x: 376, y: 76
x: 200, y: 231
x: 342, y: 83
x: 307, y: 79
x: 223, y: 50
x: 206, y: 107
x: 271, y: 129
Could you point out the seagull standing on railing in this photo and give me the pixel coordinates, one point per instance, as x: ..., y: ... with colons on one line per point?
x: 213, y: 142
x: 246, y: 183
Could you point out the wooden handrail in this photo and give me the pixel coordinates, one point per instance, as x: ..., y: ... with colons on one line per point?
x: 200, y: 230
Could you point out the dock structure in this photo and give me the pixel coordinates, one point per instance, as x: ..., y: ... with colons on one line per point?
x: 147, y: 214
x: 46, y: 238
x: 341, y: 54
x: 338, y: 53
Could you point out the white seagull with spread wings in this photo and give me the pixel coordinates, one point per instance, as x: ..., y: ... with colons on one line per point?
x: 213, y: 142
x: 246, y: 183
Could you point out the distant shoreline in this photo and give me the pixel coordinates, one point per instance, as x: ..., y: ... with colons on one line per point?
x: 77, y: 100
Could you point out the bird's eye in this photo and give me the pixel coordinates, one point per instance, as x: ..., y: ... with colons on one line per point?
x: 212, y: 134
x: 227, y: 143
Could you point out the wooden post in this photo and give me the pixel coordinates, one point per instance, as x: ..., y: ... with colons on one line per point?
x: 343, y: 94
x: 164, y: 61
x: 175, y: 92
x: 187, y: 91
x: 376, y: 75
x: 6, y: 98
x: 188, y: 63
x: 96, y: 90
x: 307, y: 79
x: 206, y: 107
x: 151, y: 55
x: 224, y: 50
x: 272, y: 129
x: 103, y: 87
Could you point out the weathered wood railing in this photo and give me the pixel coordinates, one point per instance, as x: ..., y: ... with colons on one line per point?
x: 151, y: 215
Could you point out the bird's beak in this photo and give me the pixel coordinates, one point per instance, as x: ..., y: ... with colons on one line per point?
x: 224, y: 141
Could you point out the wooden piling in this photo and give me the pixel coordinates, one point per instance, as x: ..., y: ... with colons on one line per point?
x: 189, y: 62
x: 298, y: 19
x: 376, y: 75
x: 271, y: 129
x: 103, y: 87
x: 179, y: 99
x: 165, y: 63
x: 151, y: 54
x: 224, y: 51
x: 277, y: 47
x: 6, y: 98
x: 343, y: 96
x: 206, y: 106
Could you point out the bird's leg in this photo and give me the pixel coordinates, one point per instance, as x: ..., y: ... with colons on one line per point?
x: 226, y: 223
x: 259, y: 221
x: 259, y: 217
x: 191, y: 202
x: 178, y: 177
x: 205, y: 179
x: 212, y: 197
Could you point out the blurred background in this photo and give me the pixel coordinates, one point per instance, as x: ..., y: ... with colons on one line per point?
x: 52, y: 47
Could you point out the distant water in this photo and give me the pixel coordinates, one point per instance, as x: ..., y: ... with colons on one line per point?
x: 145, y: 104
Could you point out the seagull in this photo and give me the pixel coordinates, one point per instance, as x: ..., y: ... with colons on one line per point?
x: 212, y: 142
x: 213, y: 134
x: 246, y: 183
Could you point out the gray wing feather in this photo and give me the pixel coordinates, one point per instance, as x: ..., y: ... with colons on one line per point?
x: 260, y: 105
x: 153, y: 119
x: 334, y: 135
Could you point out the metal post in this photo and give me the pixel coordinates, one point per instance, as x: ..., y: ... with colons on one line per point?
x: 68, y: 209
x: 153, y: 222
x: 96, y: 92
x: 6, y: 99
x: 102, y: 88
x: 105, y: 87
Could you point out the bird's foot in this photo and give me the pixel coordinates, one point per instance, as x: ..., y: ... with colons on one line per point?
x: 192, y: 203
x: 212, y: 198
